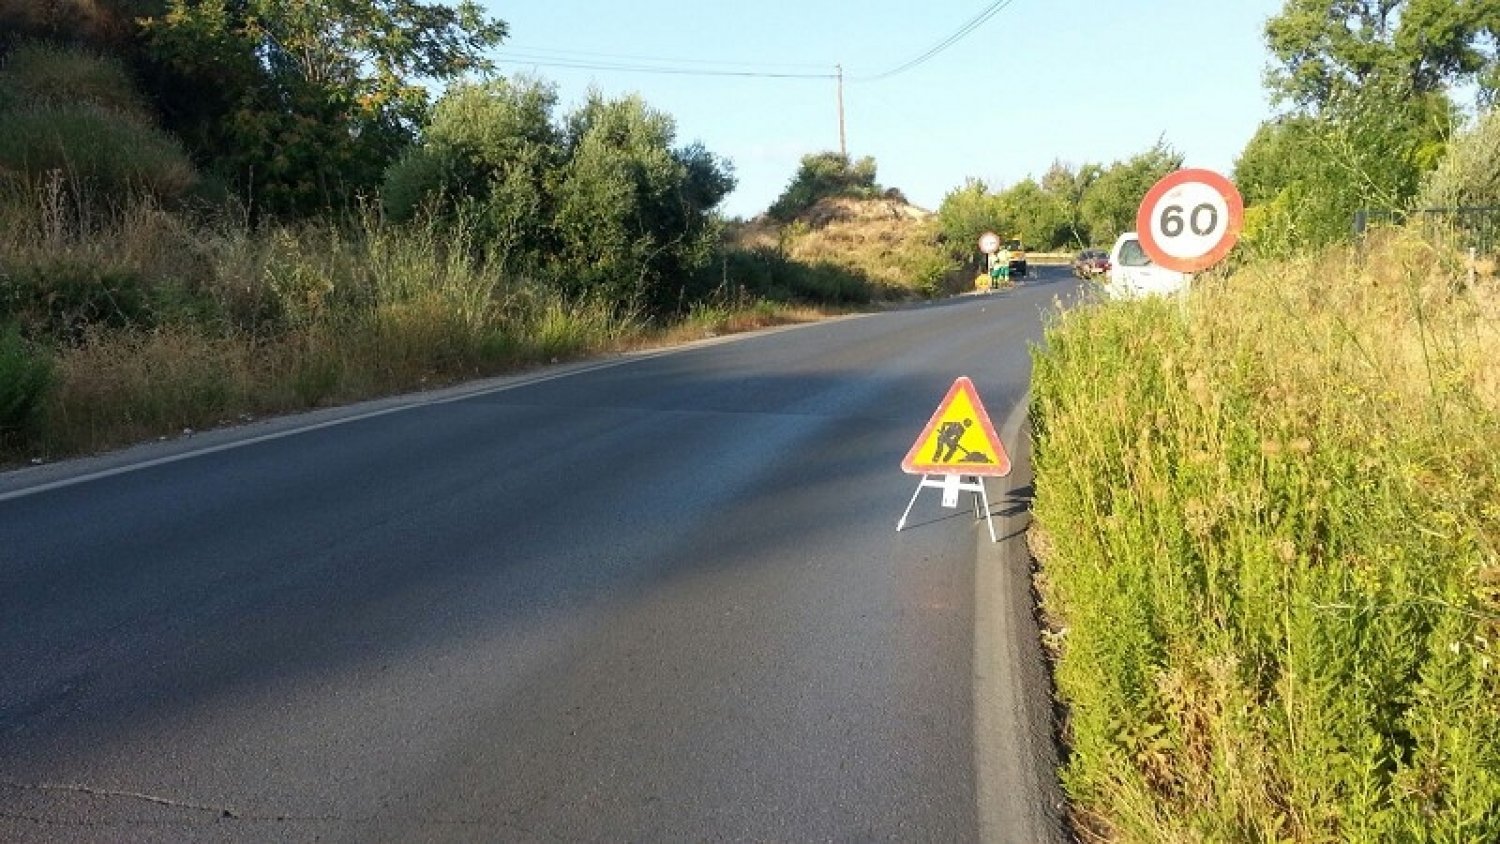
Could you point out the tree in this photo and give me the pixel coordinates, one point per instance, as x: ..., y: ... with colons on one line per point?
x: 1109, y: 206
x: 634, y: 214
x: 1328, y: 49
x: 1367, y: 83
x: 1469, y: 174
x: 490, y: 152
x: 1068, y: 188
x: 822, y: 175
x: 965, y: 214
x: 306, y: 103
x: 1037, y: 217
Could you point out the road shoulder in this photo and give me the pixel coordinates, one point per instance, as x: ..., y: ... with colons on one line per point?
x: 1015, y: 752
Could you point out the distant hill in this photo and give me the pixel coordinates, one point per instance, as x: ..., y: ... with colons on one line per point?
x: 889, y: 242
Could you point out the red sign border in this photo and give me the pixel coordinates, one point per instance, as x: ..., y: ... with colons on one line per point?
x: 1225, y: 189
x: 999, y: 469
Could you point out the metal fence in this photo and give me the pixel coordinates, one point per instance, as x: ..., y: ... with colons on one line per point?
x: 1476, y: 229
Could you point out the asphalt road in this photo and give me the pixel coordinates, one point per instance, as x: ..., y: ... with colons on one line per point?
x: 653, y: 597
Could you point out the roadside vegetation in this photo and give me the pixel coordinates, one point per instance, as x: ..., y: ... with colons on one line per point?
x: 1267, y: 516
x: 214, y: 211
x: 1268, y: 538
x: 1068, y: 209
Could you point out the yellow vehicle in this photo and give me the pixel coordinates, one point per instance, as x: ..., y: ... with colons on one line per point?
x: 1017, y: 258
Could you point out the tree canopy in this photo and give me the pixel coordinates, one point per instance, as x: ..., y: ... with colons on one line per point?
x: 822, y: 175
x: 1069, y: 208
x: 1327, y: 49
x: 600, y: 202
x: 293, y: 105
x: 1366, y: 84
x: 310, y: 101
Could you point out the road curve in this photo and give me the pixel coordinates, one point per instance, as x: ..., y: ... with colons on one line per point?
x: 656, y: 597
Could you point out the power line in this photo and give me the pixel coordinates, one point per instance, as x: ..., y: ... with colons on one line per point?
x: 551, y: 53
x: 624, y: 67
x: 974, y: 23
x: 623, y: 63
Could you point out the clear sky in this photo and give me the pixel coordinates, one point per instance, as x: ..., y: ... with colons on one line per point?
x: 1042, y: 80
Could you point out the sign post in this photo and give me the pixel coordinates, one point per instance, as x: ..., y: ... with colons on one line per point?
x: 989, y: 244
x: 956, y: 451
x: 1190, y: 220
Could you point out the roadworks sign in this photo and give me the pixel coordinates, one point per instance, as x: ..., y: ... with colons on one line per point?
x: 959, y: 439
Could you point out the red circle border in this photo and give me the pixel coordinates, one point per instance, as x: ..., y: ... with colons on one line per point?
x: 1225, y: 189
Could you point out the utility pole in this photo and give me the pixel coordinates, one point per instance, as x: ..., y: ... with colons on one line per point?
x: 843, y: 146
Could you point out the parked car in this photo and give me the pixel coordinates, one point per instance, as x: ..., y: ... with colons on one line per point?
x: 1132, y: 274
x: 1091, y: 263
x: 1017, y: 258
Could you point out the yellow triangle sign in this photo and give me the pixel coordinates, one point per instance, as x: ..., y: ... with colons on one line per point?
x: 959, y: 439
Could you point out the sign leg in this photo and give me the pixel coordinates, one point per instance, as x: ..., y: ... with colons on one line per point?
x: 988, y: 516
x: 900, y: 525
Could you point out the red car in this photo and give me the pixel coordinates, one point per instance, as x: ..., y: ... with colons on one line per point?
x: 1091, y: 263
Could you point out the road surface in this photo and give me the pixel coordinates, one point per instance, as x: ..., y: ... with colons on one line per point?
x: 651, y: 597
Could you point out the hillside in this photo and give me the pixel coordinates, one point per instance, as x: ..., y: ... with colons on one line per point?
x: 886, y: 242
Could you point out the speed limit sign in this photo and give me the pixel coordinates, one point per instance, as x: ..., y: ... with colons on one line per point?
x: 1190, y: 220
x: 989, y: 243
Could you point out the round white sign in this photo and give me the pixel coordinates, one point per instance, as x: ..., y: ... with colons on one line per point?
x: 1190, y: 220
x: 989, y: 243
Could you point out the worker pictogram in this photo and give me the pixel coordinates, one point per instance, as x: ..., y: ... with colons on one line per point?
x: 959, y: 439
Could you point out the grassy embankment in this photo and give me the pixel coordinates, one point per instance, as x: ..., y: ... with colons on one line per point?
x: 847, y: 249
x: 135, y: 322
x: 1267, y: 532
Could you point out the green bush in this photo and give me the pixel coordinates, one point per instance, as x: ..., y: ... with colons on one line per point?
x: 821, y: 176
x: 1469, y: 174
x: 766, y: 273
x: 489, y: 152
x: 98, y: 151
x: 63, y: 300
x: 1369, y: 149
x: 39, y: 74
x: 600, y: 204
x: 418, y: 183
x: 25, y: 377
x: 78, y: 114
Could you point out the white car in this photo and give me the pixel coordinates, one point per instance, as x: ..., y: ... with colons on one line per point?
x: 1132, y: 274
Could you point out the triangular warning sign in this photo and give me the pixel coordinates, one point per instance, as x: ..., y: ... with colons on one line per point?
x: 959, y: 439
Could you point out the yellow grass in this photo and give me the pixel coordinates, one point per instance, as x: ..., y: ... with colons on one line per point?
x: 1270, y: 564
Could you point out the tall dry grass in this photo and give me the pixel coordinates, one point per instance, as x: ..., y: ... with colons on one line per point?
x: 151, y: 321
x: 1267, y: 530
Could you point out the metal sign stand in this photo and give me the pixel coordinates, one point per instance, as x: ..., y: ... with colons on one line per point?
x: 952, y: 485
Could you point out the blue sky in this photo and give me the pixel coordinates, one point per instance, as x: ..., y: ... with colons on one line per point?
x: 1076, y: 80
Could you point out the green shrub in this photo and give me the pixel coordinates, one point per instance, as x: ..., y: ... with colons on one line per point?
x: 39, y: 74
x: 63, y: 300
x: 766, y: 273
x: 599, y: 204
x: 821, y: 176
x: 97, y: 150
x: 1469, y: 174
x: 76, y: 113
x: 25, y: 377
x: 418, y: 182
